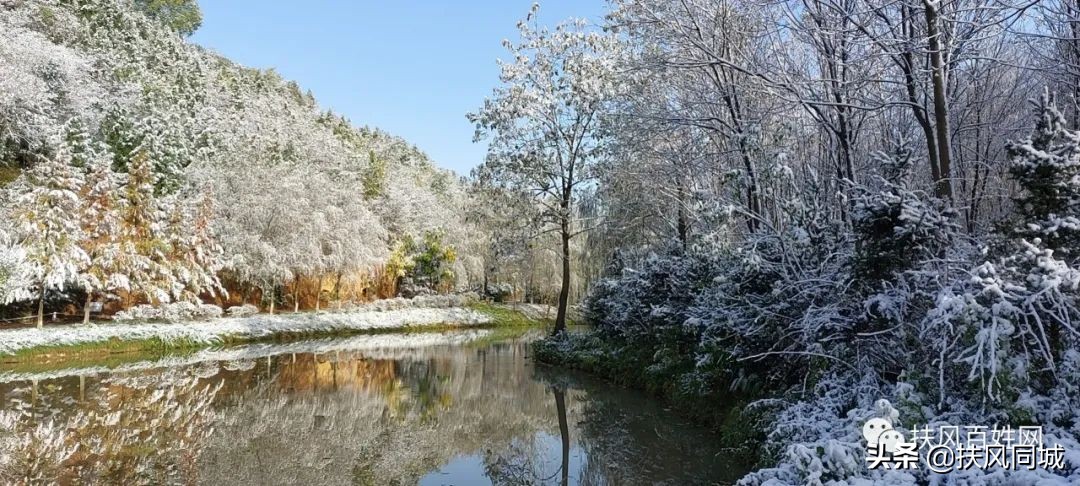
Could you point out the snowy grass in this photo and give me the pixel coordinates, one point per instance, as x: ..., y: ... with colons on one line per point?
x: 379, y: 345
x: 19, y: 343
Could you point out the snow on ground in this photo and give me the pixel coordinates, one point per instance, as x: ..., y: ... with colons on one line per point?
x: 535, y: 311
x: 244, y: 328
x: 386, y: 345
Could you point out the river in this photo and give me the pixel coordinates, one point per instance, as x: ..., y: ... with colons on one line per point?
x: 454, y: 408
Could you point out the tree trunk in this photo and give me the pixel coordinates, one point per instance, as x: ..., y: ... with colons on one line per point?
x: 564, y: 433
x: 273, y: 299
x: 564, y: 292
x: 86, y: 307
x: 907, y: 65
x: 41, y: 308
x: 942, y: 186
x: 683, y: 224
x: 318, y: 294
x: 1071, y: 64
x: 337, y: 291
x: 296, y: 295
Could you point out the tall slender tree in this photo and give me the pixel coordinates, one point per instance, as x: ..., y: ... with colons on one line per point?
x: 545, y: 126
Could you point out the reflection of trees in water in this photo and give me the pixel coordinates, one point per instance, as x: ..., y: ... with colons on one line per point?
x: 381, y: 417
x: 564, y: 433
x: 628, y: 438
x: 372, y: 421
x: 523, y: 462
x: 514, y: 464
x: 130, y: 430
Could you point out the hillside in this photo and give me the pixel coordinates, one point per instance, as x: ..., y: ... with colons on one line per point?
x: 239, y: 160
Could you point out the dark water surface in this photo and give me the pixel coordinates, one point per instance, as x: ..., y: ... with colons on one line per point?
x: 460, y: 408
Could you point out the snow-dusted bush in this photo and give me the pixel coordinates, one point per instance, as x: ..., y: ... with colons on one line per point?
x: 139, y: 313
x: 896, y: 227
x: 242, y: 310
x: 499, y: 292
x: 421, y: 302
x: 207, y: 311
x: 173, y: 312
x: 409, y: 290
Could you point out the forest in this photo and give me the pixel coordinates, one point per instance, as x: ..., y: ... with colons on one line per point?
x: 786, y: 217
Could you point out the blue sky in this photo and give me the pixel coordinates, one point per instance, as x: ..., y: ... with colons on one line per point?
x: 411, y: 67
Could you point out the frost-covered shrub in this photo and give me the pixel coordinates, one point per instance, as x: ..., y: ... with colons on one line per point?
x: 499, y: 292
x: 895, y: 228
x: 139, y: 312
x: 819, y: 440
x: 1007, y: 326
x: 178, y: 311
x: 242, y: 310
x: 421, y: 302
x: 408, y: 290
x: 207, y: 311
x: 644, y: 296
x: 172, y: 312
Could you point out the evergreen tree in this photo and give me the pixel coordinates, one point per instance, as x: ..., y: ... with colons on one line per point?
x: 195, y: 255
x: 896, y: 227
x: 182, y: 16
x: 100, y: 217
x: 143, y: 237
x: 47, y: 214
x: 1046, y: 165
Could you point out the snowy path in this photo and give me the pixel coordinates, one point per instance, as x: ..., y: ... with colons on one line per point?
x: 242, y: 328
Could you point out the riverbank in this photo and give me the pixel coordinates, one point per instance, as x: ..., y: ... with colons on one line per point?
x: 381, y: 345
x: 669, y: 378
x: 102, y: 340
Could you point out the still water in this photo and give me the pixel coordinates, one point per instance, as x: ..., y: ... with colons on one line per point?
x: 459, y: 408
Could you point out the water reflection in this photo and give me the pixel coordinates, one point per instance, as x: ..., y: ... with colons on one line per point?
x: 347, y: 412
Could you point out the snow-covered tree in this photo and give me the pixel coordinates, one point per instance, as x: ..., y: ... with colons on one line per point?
x: 46, y: 212
x: 1046, y: 165
x: 194, y: 256
x: 545, y: 123
x: 143, y: 234
x: 107, y: 262
x: 16, y: 273
x: 183, y: 16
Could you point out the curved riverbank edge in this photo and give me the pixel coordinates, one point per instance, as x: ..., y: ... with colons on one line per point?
x: 100, y: 341
x: 378, y: 346
x: 740, y: 427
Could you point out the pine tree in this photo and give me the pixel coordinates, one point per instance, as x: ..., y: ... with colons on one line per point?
x: 894, y: 226
x: 142, y: 234
x: 1047, y: 167
x: 47, y: 214
x: 195, y: 255
x: 100, y: 217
